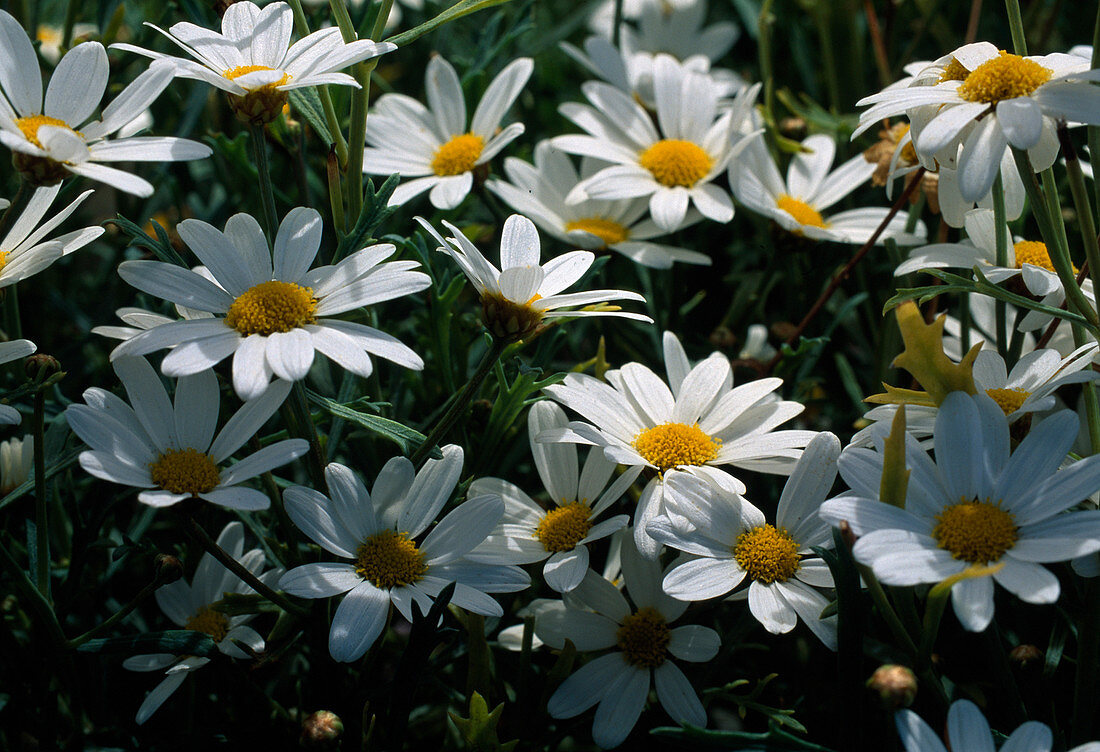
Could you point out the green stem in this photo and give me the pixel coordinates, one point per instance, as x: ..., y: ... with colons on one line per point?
x: 617, y: 21
x: 331, y: 120
x: 70, y: 22
x: 1000, y: 228
x: 765, y: 22
x: 461, y: 400
x: 882, y: 603
x: 299, y: 404
x: 32, y: 596
x: 823, y: 22
x: 119, y: 615
x: 41, y: 503
x: 234, y: 566
x: 1081, y: 205
x: 335, y: 190
x: 13, y: 322
x: 1016, y: 25
x: 267, y: 196
x: 1055, y: 240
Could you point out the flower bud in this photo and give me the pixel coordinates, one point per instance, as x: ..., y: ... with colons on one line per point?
x: 321, y: 730
x: 895, y: 685
x: 41, y: 366
x: 1025, y: 657
x: 168, y: 568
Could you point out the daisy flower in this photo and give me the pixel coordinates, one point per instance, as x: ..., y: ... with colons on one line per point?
x: 1029, y: 388
x: 9, y: 351
x: 676, y: 28
x: 377, y: 531
x: 433, y: 144
x: 632, y: 72
x: 517, y: 297
x: 796, y: 204
x: 696, y: 422
x: 975, y: 506
x: 54, y: 137
x: 539, y: 190
x: 253, y: 60
x: 731, y: 539
x: 191, y: 606
x: 1028, y: 259
x: 986, y: 100
x: 50, y: 39
x: 643, y: 644
x: 23, y: 251
x: 560, y: 536
x: 169, y: 448
x: 673, y: 164
x: 270, y: 314
x: 968, y: 730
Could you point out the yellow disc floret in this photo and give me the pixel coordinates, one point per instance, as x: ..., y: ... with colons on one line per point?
x: 802, y: 212
x: 209, y: 622
x: 259, y: 105
x: 1009, y: 400
x: 29, y: 127
x: 271, y: 307
x: 767, y: 553
x: 241, y: 70
x: 1035, y: 253
x: 186, y: 471
x: 563, y: 528
x: 976, y: 532
x: 609, y: 231
x: 675, y: 162
x: 672, y: 445
x: 955, y: 71
x: 389, y: 559
x: 644, y: 638
x: 1006, y: 76
x: 458, y: 155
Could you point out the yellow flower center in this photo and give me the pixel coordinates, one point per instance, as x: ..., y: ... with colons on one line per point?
x: 769, y: 554
x: 1008, y: 400
x: 672, y: 445
x: 608, y: 231
x: 3, y: 260
x: 675, y: 162
x: 49, y: 35
x: 563, y: 528
x: 209, y: 622
x: 389, y: 559
x: 242, y: 70
x: 29, y: 126
x: 802, y: 212
x: 955, y: 71
x: 458, y: 155
x: 1006, y: 76
x: 186, y: 471
x: 644, y: 638
x: 976, y: 532
x: 908, y: 153
x: 1035, y: 253
x: 271, y: 307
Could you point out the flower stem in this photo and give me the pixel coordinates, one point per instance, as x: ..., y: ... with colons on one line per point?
x: 461, y: 401
x: 41, y: 503
x: 31, y: 596
x: 1016, y: 25
x: 331, y: 120
x: 303, y: 417
x: 234, y: 566
x: 119, y: 615
x: 267, y: 196
x: 617, y: 24
x: 1081, y: 205
x: 70, y: 22
x: 1000, y: 227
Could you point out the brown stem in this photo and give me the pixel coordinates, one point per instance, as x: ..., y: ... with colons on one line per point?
x: 834, y: 284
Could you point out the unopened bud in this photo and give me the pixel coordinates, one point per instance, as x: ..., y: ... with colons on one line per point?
x: 895, y: 685
x: 722, y: 338
x: 321, y: 730
x: 793, y: 127
x: 168, y: 568
x: 1025, y: 656
x: 41, y: 366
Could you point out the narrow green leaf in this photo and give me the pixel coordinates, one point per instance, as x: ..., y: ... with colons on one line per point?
x: 375, y: 211
x: 458, y: 10
x: 408, y: 439
x: 308, y: 103
x: 175, y: 641
x: 160, y: 246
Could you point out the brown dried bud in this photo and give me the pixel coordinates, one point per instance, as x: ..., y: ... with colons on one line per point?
x: 793, y: 127
x: 321, y: 730
x: 1026, y: 656
x: 895, y: 685
x: 41, y: 172
x: 168, y: 568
